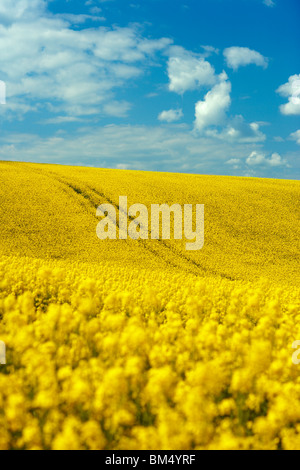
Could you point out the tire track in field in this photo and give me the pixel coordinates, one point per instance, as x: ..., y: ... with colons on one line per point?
x: 169, y: 247
x: 75, y: 188
x: 75, y: 184
x: 192, y: 266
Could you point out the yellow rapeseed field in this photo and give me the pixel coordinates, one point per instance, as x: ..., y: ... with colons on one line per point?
x: 124, y: 344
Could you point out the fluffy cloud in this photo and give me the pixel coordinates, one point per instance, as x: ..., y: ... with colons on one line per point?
x: 269, y: 3
x: 79, y: 19
x: 166, y: 148
x: 209, y: 50
x: 257, y: 159
x: 188, y: 71
x: 234, y: 162
x: 14, y: 10
x: 117, y: 108
x: 64, y: 70
x: 212, y: 110
x: 238, y: 130
x: 2, y: 92
x: 49, y: 65
x: 171, y: 115
x: 296, y: 136
x: 291, y: 90
x: 240, y: 56
x: 258, y: 164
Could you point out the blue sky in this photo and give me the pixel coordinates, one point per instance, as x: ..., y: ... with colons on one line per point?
x: 194, y: 86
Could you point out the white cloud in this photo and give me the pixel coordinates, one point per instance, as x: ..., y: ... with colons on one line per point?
x: 269, y: 3
x: 257, y: 159
x: 296, y: 136
x: 292, y: 87
x: 291, y: 90
x: 117, y: 108
x: 238, y: 130
x: 188, y: 71
x: 240, y: 56
x: 79, y: 19
x: 50, y: 65
x: 14, y: 10
x: 209, y: 50
x: 66, y: 71
x: 212, y: 110
x: 62, y: 120
x: 92, y: 2
x: 166, y: 148
x: 234, y: 162
x: 95, y: 10
x: 276, y: 160
x: 171, y: 115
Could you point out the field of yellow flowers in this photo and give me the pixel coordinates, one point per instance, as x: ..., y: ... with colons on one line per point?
x: 124, y: 344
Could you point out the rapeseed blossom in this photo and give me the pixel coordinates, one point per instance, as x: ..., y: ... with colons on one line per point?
x: 139, y: 345
x: 131, y: 367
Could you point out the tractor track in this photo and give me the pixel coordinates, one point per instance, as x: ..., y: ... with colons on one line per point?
x: 82, y: 190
